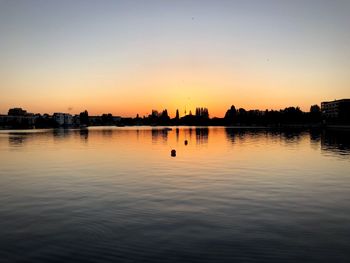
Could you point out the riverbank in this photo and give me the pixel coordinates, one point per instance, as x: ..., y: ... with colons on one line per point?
x: 269, y: 127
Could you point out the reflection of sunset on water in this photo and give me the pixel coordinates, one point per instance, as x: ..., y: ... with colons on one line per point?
x: 119, y: 186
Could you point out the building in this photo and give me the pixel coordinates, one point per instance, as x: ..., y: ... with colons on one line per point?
x: 17, y: 118
x: 337, y: 109
x: 17, y: 112
x: 63, y: 119
x: 17, y: 121
x: 76, y: 120
x: 117, y: 119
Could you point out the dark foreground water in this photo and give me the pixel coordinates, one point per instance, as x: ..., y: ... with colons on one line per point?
x: 116, y: 195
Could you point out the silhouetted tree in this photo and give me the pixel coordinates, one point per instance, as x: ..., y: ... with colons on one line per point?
x: 315, y: 113
x: 292, y: 115
x: 242, y: 116
x: 84, y: 118
x: 202, y: 113
x: 230, y: 116
x: 155, y: 113
x: 165, y: 114
x: 164, y: 117
x: 315, y: 109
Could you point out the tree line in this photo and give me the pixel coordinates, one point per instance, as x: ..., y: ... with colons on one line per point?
x: 233, y: 117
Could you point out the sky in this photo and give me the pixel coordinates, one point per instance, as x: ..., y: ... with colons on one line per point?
x: 129, y: 57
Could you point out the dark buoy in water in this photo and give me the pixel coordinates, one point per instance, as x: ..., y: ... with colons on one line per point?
x: 186, y: 142
x: 173, y: 153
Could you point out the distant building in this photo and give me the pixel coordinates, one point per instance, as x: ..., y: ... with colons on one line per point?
x: 337, y: 109
x: 95, y: 120
x: 76, y: 120
x: 17, y: 112
x: 117, y: 118
x: 17, y: 121
x: 105, y: 119
x: 63, y: 119
x: 17, y: 118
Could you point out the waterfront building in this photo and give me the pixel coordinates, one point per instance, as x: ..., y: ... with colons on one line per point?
x: 17, y: 118
x: 17, y: 112
x: 63, y: 119
x: 337, y: 109
x: 17, y: 121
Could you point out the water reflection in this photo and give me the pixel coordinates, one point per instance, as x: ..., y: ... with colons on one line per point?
x: 159, y: 134
x: 292, y: 135
x: 337, y: 142
x: 61, y: 134
x: 327, y: 141
x: 107, y: 133
x: 315, y: 135
x: 238, y: 135
x: 20, y: 138
x: 230, y: 134
x: 202, y: 135
x: 84, y: 134
x: 230, y: 194
x: 16, y: 139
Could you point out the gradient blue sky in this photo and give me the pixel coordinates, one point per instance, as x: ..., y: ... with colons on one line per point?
x: 128, y: 57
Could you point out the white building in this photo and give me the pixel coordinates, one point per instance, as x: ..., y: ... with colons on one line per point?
x: 63, y: 119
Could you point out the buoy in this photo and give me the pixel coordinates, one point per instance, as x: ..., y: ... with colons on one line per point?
x: 173, y: 153
x: 186, y: 142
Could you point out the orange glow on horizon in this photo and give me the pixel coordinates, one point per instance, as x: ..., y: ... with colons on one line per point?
x: 175, y: 87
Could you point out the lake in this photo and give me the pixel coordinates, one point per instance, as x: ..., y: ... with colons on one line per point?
x: 115, y: 194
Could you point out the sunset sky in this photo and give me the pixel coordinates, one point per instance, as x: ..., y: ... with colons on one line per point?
x: 129, y: 57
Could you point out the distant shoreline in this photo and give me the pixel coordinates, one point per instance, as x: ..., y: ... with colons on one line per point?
x: 289, y: 126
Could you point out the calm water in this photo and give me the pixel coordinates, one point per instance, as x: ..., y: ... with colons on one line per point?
x: 116, y: 195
